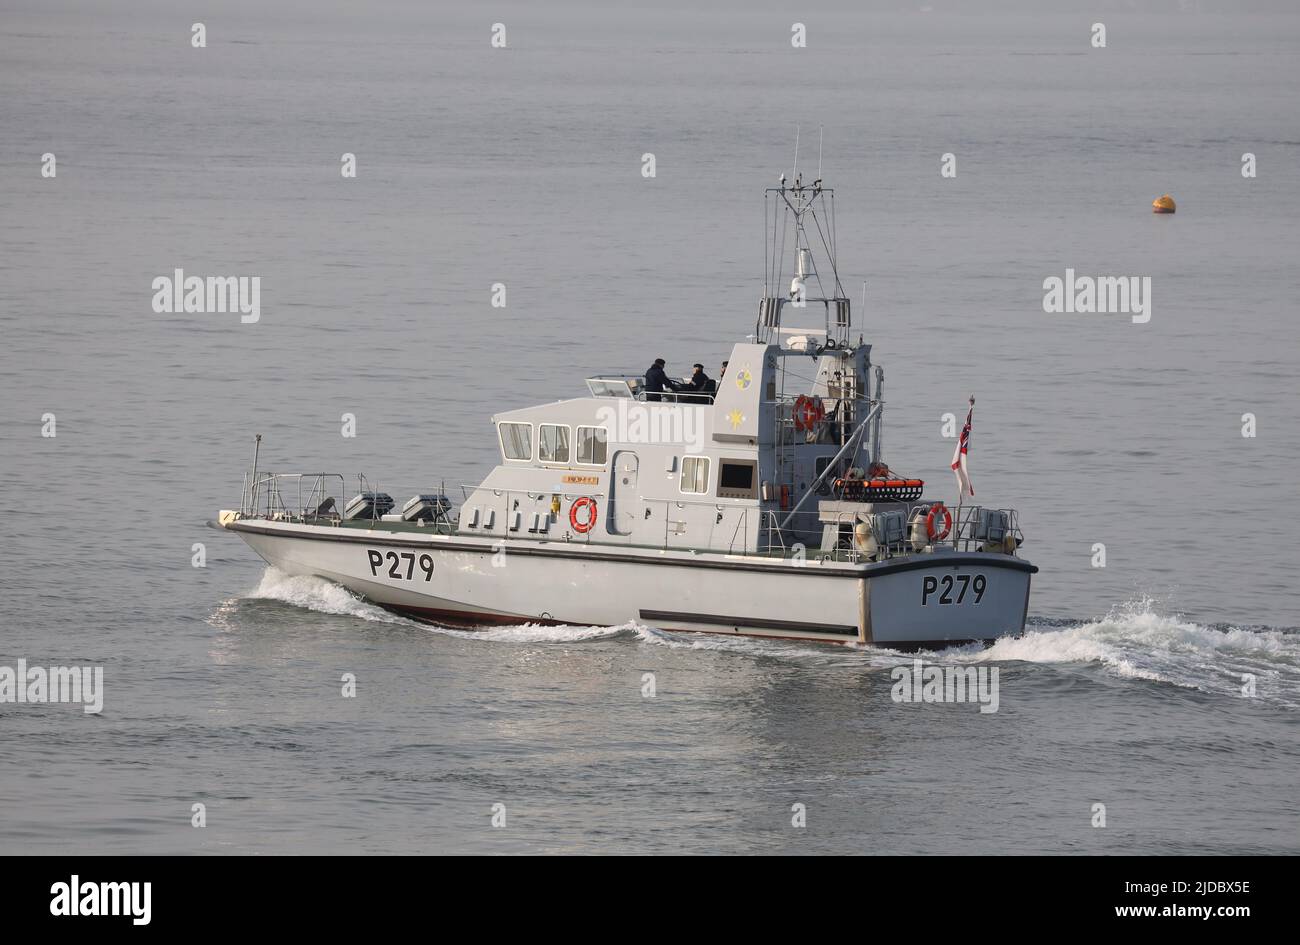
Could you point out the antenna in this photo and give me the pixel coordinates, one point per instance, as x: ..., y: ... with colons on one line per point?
x: 795, y: 172
x: 820, y: 130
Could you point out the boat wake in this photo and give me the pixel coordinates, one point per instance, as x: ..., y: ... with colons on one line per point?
x: 326, y: 597
x: 320, y: 595
x: 1134, y: 641
x: 535, y: 633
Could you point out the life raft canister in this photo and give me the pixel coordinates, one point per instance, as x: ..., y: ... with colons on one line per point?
x: 587, y: 505
x: 935, y: 511
x: 808, y: 412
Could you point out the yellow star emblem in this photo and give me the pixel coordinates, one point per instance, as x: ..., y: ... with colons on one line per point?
x: 736, y: 418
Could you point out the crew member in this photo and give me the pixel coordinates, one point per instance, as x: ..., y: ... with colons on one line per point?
x: 657, y: 381
x: 701, y: 386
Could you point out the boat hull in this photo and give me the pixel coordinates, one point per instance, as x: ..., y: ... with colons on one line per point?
x: 922, y: 601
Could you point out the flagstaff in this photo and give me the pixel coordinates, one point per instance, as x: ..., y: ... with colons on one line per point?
x: 959, y: 467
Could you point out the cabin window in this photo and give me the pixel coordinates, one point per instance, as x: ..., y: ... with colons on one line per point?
x: 695, y: 475
x: 553, y: 443
x: 516, y: 440
x: 738, y: 479
x: 592, y: 450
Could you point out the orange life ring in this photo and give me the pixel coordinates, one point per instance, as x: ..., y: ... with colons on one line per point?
x: 808, y: 412
x: 929, y: 522
x: 586, y: 502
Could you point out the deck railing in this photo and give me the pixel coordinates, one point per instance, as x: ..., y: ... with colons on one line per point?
x: 264, y: 495
x: 679, y: 524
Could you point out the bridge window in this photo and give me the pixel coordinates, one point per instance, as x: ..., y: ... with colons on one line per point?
x: 553, y: 443
x: 516, y: 440
x: 592, y: 446
x: 738, y: 479
x: 695, y: 475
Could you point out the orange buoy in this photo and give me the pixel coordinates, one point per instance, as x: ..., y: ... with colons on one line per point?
x: 1163, y: 204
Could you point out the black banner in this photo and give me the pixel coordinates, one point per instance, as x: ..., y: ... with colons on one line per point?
x: 142, y: 895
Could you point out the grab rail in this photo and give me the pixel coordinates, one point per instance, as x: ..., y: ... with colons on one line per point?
x: 687, y: 524
x: 269, y: 486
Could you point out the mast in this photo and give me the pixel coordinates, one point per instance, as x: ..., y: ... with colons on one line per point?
x: 803, y: 295
x: 805, y: 215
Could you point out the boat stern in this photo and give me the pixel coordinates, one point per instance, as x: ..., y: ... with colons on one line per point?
x: 930, y: 601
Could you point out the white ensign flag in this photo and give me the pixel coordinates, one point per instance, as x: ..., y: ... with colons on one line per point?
x: 959, y: 456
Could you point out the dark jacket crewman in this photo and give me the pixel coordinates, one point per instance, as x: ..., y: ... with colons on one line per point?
x: 701, y: 386
x: 657, y: 381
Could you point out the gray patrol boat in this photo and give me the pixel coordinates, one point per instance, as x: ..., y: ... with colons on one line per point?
x: 762, y: 508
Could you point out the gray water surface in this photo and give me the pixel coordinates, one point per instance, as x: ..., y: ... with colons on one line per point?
x: 523, y: 166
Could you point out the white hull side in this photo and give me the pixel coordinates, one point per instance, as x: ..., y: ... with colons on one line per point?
x: 606, y: 586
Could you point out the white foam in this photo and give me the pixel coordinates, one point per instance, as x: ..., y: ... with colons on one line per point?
x: 534, y: 633
x: 1135, y: 641
x: 326, y: 597
x: 318, y: 594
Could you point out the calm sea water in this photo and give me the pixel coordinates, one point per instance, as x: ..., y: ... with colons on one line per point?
x: 522, y: 166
